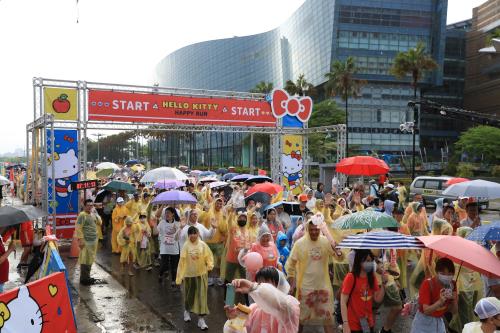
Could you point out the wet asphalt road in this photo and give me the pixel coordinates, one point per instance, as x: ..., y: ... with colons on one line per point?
x: 166, y: 302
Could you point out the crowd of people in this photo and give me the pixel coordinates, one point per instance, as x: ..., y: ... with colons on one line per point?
x: 301, y: 278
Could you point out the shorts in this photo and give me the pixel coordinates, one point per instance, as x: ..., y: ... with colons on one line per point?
x: 216, y: 249
x: 392, y: 297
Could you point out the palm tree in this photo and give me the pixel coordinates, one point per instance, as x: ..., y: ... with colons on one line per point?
x: 415, y: 62
x: 263, y: 87
x: 341, y: 82
x: 300, y: 87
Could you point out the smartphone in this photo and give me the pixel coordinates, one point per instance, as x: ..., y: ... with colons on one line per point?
x: 229, y: 294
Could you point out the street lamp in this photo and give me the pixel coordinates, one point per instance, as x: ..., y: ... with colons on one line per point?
x: 98, y: 152
x: 411, y: 127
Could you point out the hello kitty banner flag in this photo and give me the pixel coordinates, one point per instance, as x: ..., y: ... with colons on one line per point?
x: 42, y: 306
x: 66, y: 169
x: 292, y: 164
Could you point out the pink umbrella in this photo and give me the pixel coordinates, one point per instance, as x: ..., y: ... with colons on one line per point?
x: 464, y: 252
x: 456, y: 181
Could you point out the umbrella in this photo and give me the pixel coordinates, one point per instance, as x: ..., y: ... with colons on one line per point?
x: 104, y: 173
x: 228, y: 176
x: 464, y: 252
x: 381, y: 240
x: 107, y: 165
x: 169, y: 184
x: 241, y: 178
x: 118, y: 185
x: 221, y: 171
x: 474, y: 188
x: 487, y: 232
x: 152, y: 176
x: 207, y: 179
x: 456, y: 181
x: 99, y: 197
x: 263, y: 198
x: 366, y: 219
x: 11, y: 215
x: 258, y: 179
x: 218, y: 184
x: 362, y: 166
x: 290, y: 207
x: 195, y: 173
x: 174, y: 198
x: 266, y: 187
x: 131, y: 162
x: 207, y: 174
x: 4, y: 181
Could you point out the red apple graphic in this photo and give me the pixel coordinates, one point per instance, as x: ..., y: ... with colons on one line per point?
x: 61, y: 104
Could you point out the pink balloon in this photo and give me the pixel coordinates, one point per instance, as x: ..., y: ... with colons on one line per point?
x: 253, y: 261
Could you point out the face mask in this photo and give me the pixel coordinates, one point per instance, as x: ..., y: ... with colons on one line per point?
x: 242, y: 223
x: 369, y: 266
x: 143, y: 220
x: 445, y: 279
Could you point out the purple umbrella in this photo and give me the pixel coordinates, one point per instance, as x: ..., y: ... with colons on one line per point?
x: 241, y: 178
x: 168, y: 184
x: 174, y: 198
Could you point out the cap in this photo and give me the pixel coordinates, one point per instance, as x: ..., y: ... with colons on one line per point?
x: 119, y: 200
x: 303, y: 197
x: 487, y: 307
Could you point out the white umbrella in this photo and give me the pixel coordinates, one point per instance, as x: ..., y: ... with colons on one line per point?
x: 218, y: 184
x: 474, y: 188
x: 107, y: 165
x: 158, y: 174
x: 4, y: 181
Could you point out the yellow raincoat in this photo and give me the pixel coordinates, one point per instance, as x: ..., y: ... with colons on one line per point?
x: 128, y: 247
x: 216, y: 243
x: 339, y: 210
x: 135, y: 207
x: 118, y: 220
x: 86, y: 229
x: 195, y: 260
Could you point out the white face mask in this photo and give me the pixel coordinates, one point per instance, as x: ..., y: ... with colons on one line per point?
x: 445, y: 279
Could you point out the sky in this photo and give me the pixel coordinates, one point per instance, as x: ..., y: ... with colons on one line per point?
x: 117, y: 41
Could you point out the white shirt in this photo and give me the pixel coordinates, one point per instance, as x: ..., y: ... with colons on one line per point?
x: 168, y: 237
x: 311, y: 203
x: 204, y: 233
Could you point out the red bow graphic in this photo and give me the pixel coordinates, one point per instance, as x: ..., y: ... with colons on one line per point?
x: 283, y: 104
x: 296, y: 155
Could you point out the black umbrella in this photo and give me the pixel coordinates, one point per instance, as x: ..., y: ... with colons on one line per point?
x: 221, y: 171
x: 11, y: 215
x: 263, y: 198
x: 228, y: 176
x: 258, y: 179
x: 101, y: 195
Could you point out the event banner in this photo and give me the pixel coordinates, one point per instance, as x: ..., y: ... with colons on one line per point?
x: 61, y: 102
x: 66, y: 169
x: 292, y: 164
x: 172, y: 109
x: 42, y: 306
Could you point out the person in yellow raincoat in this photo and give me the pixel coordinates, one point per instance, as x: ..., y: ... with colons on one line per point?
x: 417, y: 221
x: 426, y: 264
x: 307, y: 268
x: 87, y: 224
x: 417, y: 198
x: 126, y: 239
x: 340, y: 209
x: 470, y: 291
x: 134, y: 206
x: 215, y: 215
x: 144, y: 244
x: 253, y: 227
x: 322, y: 206
x: 196, y: 260
x: 120, y: 212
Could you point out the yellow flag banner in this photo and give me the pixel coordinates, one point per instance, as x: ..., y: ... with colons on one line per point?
x: 62, y: 103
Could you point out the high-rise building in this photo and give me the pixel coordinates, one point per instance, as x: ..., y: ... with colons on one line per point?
x: 319, y: 32
x: 482, y: 74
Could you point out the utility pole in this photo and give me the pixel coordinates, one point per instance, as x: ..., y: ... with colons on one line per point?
x: 98, y: 152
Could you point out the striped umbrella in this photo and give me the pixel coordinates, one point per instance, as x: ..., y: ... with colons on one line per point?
x: 381, y: 240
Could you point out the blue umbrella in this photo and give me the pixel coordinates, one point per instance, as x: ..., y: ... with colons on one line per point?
x: 168, y: 184
x: 207, y: 174
x: 174, y: 198
x: 381, y: 240
x: 241, y: 178
x: 258, y: 179
x: 487, y: 232
x: 229, y: 176
x: 131, y: 162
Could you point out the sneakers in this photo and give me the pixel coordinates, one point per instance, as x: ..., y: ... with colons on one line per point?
x: 210, y: 281
x: 187, y: 317
x: 220, y: 282
x: 202, y: 325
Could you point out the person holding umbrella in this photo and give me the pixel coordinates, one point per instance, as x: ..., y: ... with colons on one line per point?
x: 86, y: 231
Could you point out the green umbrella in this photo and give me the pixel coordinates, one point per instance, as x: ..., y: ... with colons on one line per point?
x: 104, y: 173
x: 366, y: 219
x: 117, y: 185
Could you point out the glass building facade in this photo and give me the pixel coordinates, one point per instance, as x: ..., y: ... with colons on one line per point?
x: 319, y: 32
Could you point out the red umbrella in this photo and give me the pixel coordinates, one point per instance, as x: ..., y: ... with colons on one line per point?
x: 464, y: 252
x: 456, y: 181
x: 362, y: 166
x: 269, y: 188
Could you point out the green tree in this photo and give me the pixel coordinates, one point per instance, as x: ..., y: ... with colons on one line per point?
x: 322, y: 146
x: 480, y: 142
x: 300, y: 87
x: 341, y: 82
x: 263, y: 87
x: 494, y: 34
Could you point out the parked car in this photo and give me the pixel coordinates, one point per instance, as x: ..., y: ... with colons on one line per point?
x: 431, y: 188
